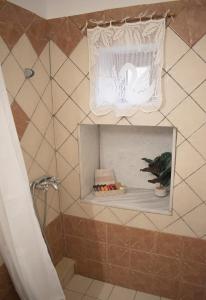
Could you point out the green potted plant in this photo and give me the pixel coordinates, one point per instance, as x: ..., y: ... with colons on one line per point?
x: 160, y: 167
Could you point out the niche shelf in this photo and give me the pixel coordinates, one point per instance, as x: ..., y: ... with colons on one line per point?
x: 121, y: 147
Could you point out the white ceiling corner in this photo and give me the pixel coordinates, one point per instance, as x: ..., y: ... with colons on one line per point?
x: 55, y: 9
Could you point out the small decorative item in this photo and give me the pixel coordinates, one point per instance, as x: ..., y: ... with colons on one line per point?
x: 104, y: 176
x: 160, y: 166
x: 105, y: 184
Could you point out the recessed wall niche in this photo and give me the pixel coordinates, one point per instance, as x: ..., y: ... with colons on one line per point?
x: 121, y: 148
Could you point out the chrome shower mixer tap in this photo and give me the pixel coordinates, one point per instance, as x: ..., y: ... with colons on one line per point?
x: 44, y: 182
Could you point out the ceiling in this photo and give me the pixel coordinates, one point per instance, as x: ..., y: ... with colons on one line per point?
x: 59, y: 8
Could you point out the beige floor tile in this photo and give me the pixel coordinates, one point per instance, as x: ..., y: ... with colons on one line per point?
x: 143, y: 296
x: 120, y: 293
x: 79, y: 284
x: 70, y: 295
x: 100, y: 290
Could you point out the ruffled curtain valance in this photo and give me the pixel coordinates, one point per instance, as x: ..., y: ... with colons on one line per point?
x: 125, y: 67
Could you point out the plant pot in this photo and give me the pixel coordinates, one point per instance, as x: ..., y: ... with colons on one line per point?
x: 161, y: 191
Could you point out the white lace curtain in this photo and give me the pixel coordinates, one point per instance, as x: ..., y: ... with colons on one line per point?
x: 125, y: 67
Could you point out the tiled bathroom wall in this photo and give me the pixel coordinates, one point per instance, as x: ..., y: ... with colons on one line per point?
x: 184, y: 86
x: 97, y: 237
x: 47, y: 111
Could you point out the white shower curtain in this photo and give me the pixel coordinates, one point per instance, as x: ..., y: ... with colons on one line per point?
x: 21, y: 243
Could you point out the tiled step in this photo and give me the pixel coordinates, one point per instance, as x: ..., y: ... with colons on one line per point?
x: 65, y: 270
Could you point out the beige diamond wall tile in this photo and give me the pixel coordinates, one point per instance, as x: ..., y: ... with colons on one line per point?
x: 123, y: 121
x: 187, y: 117
x: 45, y: 58
x: 28, y: 98
x: 29, y: 144
x: 107, y: 216
x: 49, y: 136
x: 65, y: 199
x: 47, y: 98
x: 184, y: 199
x: 180, y: 138
x: 172, y: 94
x: 52, y: 170
x: 165, y: 123
x: 199, y: 95
x: 24, y: 52
x: 44, y: 155
x: 27, y: 159
x: 77, y: 169
x: 124, y: 215
x: 196, y: 220
x: 63, y: 167
x: 52, y: 215
x: 150, y: 119
x: 109, y: 118
x: 59, y: 96
x: 87, y: 121
x: 80, y: 55
x: 40, y: 210
x: 13, y: 75
x: 35, y: 171
x: 177, y: 179
x: 175, y: 48
x: 200, y: 47
x: 141, y: 221
x: 75, y: 133
x: 69, y: 150
x: 73, y: 111
x: 40, y: 79
x: 60, y: 133
x: 197, y: 182
x: 190, y: 71
x: 72, y: 185
x: 162, y: 221
x: 4, y: 50
x: 91, y: 209
x: 53, y: 199
x: 188, y: 160
x: 57, y: 58
x: 180, y: 228
x: 69, y: 77
x: 198, y: 140
x: 41, y: 117
x: 81, y: 95
x: 50, y: 194
x: 76, y: 210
